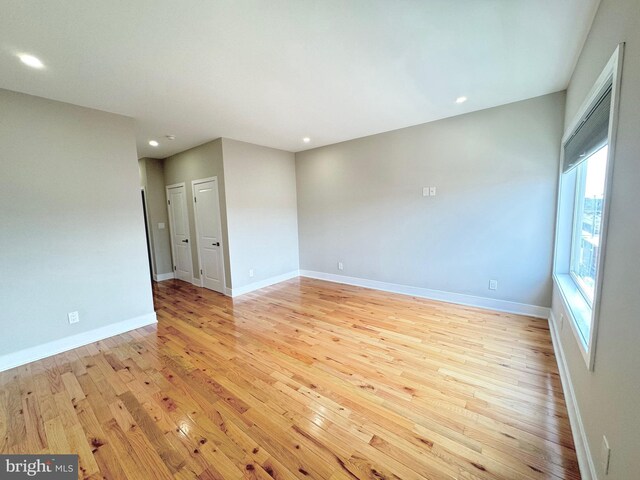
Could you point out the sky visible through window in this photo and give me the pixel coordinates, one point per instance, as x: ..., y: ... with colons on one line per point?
x: 587, y: 228
x: 596, y: 173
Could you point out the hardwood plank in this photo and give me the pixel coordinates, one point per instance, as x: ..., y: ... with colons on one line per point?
x: 303, y: 379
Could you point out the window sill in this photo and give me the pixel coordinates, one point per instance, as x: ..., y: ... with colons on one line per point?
x: 578, y: 311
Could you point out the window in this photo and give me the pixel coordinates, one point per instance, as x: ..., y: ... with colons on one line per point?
x: 590, y: 183
x: 584, y: 190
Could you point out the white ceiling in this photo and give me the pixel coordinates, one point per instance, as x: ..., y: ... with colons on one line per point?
x: 274, y: 71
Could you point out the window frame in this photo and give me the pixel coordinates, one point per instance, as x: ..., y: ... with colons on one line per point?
x: 576, y: 305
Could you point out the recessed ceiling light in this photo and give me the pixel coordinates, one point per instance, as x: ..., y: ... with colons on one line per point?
x: 306, y: 139
x: 153, y: 143
x: 461, y: 99
x: 30, y: 60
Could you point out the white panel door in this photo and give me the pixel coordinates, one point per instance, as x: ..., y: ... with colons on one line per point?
x: 179, y: 225
x: 207, y: 213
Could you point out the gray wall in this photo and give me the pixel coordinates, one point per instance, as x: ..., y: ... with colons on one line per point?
x: 261, y: 211
x: 360, y: 202
x: 608, y: 396
x: 72, y: 235
x: 199, y: 162
x: 152, y: 178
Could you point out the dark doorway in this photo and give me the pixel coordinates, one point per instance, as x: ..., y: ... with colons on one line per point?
x: 146, y: 231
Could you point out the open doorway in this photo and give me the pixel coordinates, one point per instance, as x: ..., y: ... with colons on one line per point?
x: 146, y: 231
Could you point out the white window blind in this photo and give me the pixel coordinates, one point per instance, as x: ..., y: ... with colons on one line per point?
x: 590, y: 135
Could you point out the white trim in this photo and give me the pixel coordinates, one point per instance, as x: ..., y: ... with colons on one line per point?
x: 195, y: 219
x: 235, y: 292
x: 612, y: 73
x: 197, y: 282
x: 585, y: 459
x: 450, y: 297
x: 161, y: 277
x: 28, y: 355
x: 571, y: 300
x: 615, y: 63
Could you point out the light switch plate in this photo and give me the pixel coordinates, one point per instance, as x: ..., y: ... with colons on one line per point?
x: 432, y: 191
x: 161, y: 226
x: 425, y: 191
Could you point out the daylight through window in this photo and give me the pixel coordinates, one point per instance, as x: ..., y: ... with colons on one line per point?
x: 590, y: 184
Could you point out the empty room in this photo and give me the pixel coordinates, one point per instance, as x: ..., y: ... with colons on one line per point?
x: 295, y: 239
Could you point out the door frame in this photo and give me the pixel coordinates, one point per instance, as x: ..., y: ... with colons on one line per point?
x: 195, y: 218
x: 147, y: 225
x: 171, y: 228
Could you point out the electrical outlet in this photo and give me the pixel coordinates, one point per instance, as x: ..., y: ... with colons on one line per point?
x: 340, y: 266
x: 251, y: 273
x: 493, y: 284
x: 74, y: 317
x: 605, y: 455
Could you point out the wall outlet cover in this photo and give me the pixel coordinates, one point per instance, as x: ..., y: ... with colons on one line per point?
x: 340, y: 266
x: 74, y: 317
x: 493, y: 284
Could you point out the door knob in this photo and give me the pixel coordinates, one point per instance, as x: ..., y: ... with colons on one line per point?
x: 186, y: 240
x: 217, y: 244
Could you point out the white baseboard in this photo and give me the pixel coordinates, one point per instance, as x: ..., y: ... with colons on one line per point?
x: 32, y: 354
x: 585, y: 459
x: 450, y: 297
x: 170, y: 276
x: 163, y: 276
x: 235, y: 292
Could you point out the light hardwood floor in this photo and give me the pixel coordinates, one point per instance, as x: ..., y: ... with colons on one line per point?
x: 304, y: 379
